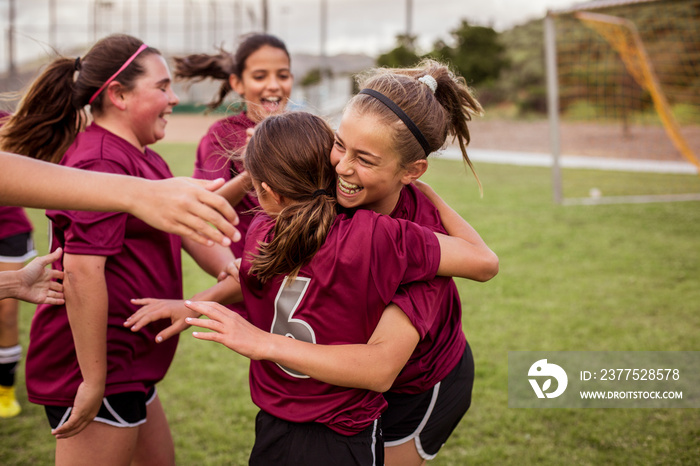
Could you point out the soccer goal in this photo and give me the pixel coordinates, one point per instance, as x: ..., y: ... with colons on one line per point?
x: 623, y: 82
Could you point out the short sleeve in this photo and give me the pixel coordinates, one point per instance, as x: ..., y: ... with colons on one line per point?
x: 422, y: 301
x: 402, y: 252
x: 92, y: 233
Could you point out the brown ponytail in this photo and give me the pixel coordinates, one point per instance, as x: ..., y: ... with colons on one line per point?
x: 220, y: 67
x: 446, y: 112
x: 290, y: 153
x: 52, y: 113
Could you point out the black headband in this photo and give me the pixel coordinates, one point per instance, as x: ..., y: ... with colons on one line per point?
x: 402, y: 115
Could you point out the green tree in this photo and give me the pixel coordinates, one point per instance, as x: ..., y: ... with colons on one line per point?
x: 403, y: 56
x: 476, y: 54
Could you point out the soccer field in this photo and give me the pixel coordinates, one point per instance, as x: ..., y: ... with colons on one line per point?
x: 574, y: 278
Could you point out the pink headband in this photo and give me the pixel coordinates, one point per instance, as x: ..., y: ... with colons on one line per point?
x: 126, y: 63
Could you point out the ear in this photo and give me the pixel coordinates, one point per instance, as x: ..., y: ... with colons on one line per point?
x: 236, y: 84
x: 115, y: 94
x: 279, y: 200
x: 414, y: 171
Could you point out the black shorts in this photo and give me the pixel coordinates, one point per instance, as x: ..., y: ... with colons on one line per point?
x: 429, y: 418
x: 119, y: 410
x: 279, y: 442
x: 17, y: 248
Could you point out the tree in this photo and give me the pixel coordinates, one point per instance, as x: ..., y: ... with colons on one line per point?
x: 403, y: 56
x: 477, y: 54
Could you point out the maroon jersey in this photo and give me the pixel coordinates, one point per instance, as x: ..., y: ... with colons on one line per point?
x: 225, y: 138
x: 141, y: 261
x: 13, y: 221
x: 338, y: 298
x: 436, y: 302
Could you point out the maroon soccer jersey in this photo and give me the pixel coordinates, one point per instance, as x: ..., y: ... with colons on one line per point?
x: 13, y: 221
x: 436, y: 302
x: 224, y: 139
x: 141, y: 262
x: 338, y: 298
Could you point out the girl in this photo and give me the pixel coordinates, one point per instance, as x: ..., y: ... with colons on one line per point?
x: 381, y: 147
x: 95, y: 379
x: 328, y: 280
x: 260, y: 73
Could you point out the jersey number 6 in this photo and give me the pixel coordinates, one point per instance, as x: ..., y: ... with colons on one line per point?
x: 284, y: 323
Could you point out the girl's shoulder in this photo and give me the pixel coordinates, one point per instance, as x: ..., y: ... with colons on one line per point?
x: 236, y: 122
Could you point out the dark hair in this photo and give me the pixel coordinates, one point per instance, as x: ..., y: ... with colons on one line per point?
x: 201, y: 66
x: 290, y: 153
x: 446, y: 112
x: 52, y: 113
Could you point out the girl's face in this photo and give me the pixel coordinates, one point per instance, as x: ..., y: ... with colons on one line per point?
x: 369, y: 172
x: 266, y: 82
x: 150, y: 101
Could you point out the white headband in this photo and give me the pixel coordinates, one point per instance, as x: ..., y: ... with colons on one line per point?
x: 429, y: 81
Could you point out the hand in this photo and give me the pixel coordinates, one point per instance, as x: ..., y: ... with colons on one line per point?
x: 229, y: 329
x: 37, y: 284
x: 85, y: 407
x: 231, y: 270
x: 156, y: 309
x: 187, y: 207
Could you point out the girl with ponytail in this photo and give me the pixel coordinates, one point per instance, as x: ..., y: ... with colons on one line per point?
x: 326, y: 280
x: 381, y: 147
x: 95, y: 379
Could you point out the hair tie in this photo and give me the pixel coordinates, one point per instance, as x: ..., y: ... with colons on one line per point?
x: 126, y: 63
x: 429, y: 81
x: 76, y: 65
x: 319, y: 192
x: 402, y: 116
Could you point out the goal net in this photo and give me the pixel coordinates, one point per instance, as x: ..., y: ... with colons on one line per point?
x: 625, y: 95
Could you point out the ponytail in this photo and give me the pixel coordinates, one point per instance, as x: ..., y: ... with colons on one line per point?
x: 437, y: 101
x: 290, y: 154
x: 46, y: 121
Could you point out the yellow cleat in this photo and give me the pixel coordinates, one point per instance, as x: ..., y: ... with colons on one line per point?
x: 9, y: 407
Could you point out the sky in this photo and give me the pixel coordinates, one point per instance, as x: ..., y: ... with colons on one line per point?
x: 185, y: 26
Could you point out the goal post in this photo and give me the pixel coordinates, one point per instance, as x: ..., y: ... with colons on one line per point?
x: 629, y: 72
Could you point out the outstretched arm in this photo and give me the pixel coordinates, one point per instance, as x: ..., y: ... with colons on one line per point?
x: 464, y: 253
x: 182, y: 206
x: 372, y: 366
x: 34, y: 283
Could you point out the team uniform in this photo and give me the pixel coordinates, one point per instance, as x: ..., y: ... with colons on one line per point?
x: 433, y: 391
x: 225, y: 138
x: 337, y: 298
x: 141, y: 261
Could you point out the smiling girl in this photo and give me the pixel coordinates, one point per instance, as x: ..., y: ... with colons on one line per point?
x: 96, y: 379
x: 381, y: 147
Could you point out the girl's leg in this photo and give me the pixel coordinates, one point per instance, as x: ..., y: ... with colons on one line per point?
x: 154, y: 446
x: 99, y: 443
x: 405, y: 454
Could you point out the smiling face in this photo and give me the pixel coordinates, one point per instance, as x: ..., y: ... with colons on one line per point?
x: 265, y: 83
x: 370, y: 175
x: 150, y: 101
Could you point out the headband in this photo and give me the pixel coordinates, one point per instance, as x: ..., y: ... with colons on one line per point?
x: 126, y: 63
x: 402, y: 116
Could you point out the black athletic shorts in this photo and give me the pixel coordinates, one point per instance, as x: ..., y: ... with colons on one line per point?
x: 119, y: 410
x: 17, y: 248
x: 429, y: 418
x: 279, y: 442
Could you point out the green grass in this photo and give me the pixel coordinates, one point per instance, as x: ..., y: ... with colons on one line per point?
x: 577, y: 278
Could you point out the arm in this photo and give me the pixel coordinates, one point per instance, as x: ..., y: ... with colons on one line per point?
x: 177, y: 205
x: 226, y: 291
x: 371, y: 366
x: 86, y: 304
x: 212, y: 259
x: 464, y: 254
x: 34, y: 283
x: 235, y: 189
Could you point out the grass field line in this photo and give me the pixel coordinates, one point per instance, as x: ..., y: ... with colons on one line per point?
x: 571, y: 161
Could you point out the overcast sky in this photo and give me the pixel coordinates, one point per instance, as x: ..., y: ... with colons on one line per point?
x: 177, y: 26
